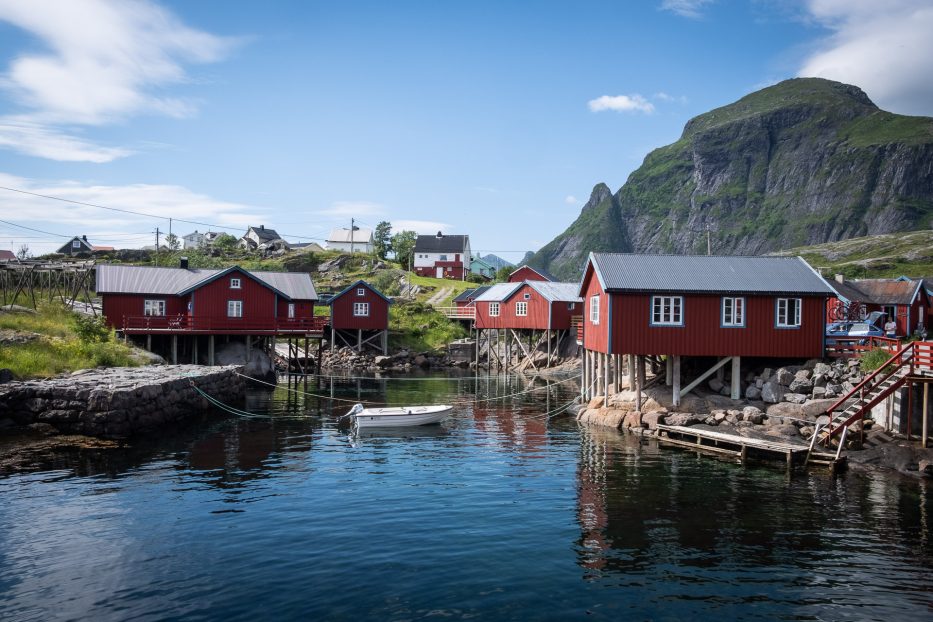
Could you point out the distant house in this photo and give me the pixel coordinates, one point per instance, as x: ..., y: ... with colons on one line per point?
x: 361, y: 240
x: 308, y: 247
x: 442, y: 256
x: 903, y: 299
x: 529, y: 305
x: 7, y: 256
x: 80, y: 245
x: 527, y: 273
x: 468, y: 296
x: 199, y: 240
x: 482, y: 268
x: 260, y: 238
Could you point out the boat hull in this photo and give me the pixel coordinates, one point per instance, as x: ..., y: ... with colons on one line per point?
x: 400, y: 417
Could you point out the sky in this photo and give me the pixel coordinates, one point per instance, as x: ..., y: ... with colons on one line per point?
x: 493, y: 119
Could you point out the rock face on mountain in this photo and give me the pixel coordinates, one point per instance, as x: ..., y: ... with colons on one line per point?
x: 803, y: 162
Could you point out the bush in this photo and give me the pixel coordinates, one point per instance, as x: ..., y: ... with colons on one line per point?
x: 873, y: 359
x: 387, y: 282
x: 91, y: 329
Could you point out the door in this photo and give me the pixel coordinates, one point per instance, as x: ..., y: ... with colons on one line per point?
x: 440, y: 272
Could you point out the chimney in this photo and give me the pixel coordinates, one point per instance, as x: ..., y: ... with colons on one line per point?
x: 439, y: 235
x: 183, y: 263
x: 262, y: 227
x: 84, y: 237
x: 839, y: 278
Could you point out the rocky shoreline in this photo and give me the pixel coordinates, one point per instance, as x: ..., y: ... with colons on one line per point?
x: 114, y: 402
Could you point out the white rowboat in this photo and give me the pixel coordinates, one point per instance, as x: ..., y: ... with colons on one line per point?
x: 397, y: 416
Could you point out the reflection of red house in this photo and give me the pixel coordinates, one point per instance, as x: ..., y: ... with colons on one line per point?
x: 527, y: 273
x: 904, y: 299
x: 360, y: 317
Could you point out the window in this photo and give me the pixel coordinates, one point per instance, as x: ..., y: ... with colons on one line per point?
x: 667, y: 310
x: 493, y: 309
x: 733, y: 312
x: 154, y: 307
x: 527, y: 296
x: 234, y: 308
x: 594, y: 309
x: 788, y: 312
x: 521, y: 309
x: 360, y: 291
x: 234, y: 283
x: 571, y: 306
x: 443, y: 257
x: 360, y: 309
x: 75, y: 244
x: 291, y: 310
x: 890, y: 312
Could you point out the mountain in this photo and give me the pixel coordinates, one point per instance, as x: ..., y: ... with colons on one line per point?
x: 803, y: 162
x: 497, y: 262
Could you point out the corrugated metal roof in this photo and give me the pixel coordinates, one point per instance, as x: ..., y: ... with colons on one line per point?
x: 115, y: 279
x: 498, y: 292
x: 362, y: 236
x: 557, y: 292
x: 443, y: 244
x: 472, y: 294
x: 848, y: 291
x: 714, y: 274
x: 885, y: 291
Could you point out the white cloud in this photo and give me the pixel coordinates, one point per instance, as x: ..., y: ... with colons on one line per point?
x: 665, y: 97
x: 686, y: 8
x: 885, y: 48
x: 102, y: 62
x: 571, y: 200
x: 109, y: 227
x: 621, y: 103
x: 352, y: 209
x: 423, y: 227
x: 46, y: 142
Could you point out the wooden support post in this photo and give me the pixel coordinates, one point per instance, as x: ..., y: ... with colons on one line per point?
x: 744, y: 453
x: 631, y: 372
x: 359, y: 340
x: 583, y: 376
x: 669, y: 371
x: 910, y: 406
x: 606, y: 375
x: 174, y: 349
x: 210, y: 350
x: 675, y: 366
x: 736, y: 377
x: 926, y: 414
x: 149, y: 342
x: 194, y: 349
x: 548, y: 348
x: 333, y: 338
x: 640, y: 381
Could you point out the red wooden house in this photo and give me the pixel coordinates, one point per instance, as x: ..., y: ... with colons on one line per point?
x: 143, y: 300
x: 701, y: 306
x: 360, y: 317
x: 527, y: 273
x: 904, y: 299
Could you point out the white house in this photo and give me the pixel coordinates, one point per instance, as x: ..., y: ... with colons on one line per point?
x: 260, y: 238
x: 360, y: 242
x: 442, y: 256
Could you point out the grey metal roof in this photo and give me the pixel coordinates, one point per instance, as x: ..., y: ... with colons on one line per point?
x: 472, y: 294
x: 363, y: 236
x: 557, y: 292
x: 713, y: 274
x: 441, y: 244
x: 498, y: 292
x: 118, y: 279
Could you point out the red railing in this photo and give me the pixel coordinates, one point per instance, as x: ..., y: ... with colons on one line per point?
x: 224, y: 325
x: 576, y: 324
x: 458, y: 313
x: 855, y: 347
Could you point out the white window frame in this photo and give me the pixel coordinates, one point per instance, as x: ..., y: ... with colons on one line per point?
x: 527, y: 296
x: 733, y: 312
x: 75, y: 244
x: 594, y: 309
x: 159, y: 306
x: 571, y: 306
x: 787, y: 315
x: 521, y: 309
x: 291, y: 310
x: 493, y: 309
x: 360, y: 291
x: 235, y: 283
x: 234, y: 308
x: 667, y: 311
x: 360, y: 309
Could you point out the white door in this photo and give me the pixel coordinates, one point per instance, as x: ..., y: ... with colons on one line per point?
x: 440, y: 272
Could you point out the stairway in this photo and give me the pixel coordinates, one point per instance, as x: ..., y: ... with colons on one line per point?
x: 869, y: 394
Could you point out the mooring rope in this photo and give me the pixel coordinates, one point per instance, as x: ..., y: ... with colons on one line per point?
x: 406, y: 378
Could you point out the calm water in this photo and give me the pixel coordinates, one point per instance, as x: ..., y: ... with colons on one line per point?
x: 497, y: 514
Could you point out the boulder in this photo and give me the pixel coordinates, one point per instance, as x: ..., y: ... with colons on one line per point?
x: 683, y: 419
x: 422, y: 361
x: 716, y: 385
x: 598, y: 401
x: 821, y: 369
x: 753, y: 414
x: 801, y: 385
x: 814, y: 408
x: 783, y: 376
x: 795, y: 398
x: 382, y: 361
x: 651, y: 420
x: 752, y: 392
x: 632, y: 420
x: 772, y: 392
x: 785, y: 430
x: 803, y: 374
x: 785, y: 409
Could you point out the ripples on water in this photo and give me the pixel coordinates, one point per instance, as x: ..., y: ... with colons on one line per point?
x: 495, y: 514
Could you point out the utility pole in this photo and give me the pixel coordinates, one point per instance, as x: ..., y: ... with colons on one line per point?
x: 170, y: 226
x: 352, y: 221
x: 410, y: 296
x: 709, y: 248
x: 157, y: 241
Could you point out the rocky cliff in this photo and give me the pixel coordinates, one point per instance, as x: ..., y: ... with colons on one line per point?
x: 803, y: 162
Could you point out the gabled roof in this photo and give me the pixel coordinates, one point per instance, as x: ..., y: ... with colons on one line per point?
x: 360, y: 236
x: 847, y: 291
x: 556, y: 292
x: 353, y: 286
x: 707, y: 274
x: 118, y: 279
x: 67, y: 246
x: 441, y: 243
x: 541, y: 271
x: 478, y: 260
x: 899, y: 291
x: 264, y: 234
x: 7, y: 255
x: 472, y: 294
x: 498, y: 292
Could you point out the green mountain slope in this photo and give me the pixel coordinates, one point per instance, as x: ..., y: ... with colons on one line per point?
x: 803, y: 162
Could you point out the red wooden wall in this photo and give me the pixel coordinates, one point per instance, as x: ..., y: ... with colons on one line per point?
x: 259, y: 302
x: 117, y: 306
x: 595, y: 336
x: 525, y: 274
x: 342, y: 317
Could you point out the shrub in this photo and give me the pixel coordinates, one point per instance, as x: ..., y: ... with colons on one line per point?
x: 91, y: 329
x: 873, y: 359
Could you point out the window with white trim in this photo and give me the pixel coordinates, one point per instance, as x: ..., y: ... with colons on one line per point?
x: 571, y: 306
x: 291, y: 310
x: 360, y: 309
x: 521, y: 309
x: 443, y: 258
x: 733, y: 312
x: 788, y: 312
x: 234, y: 283
x: 493, y: 309
x: 234, y: 308
x: 667, y: 310
x: 75, y: 244
x: 360, y: 291
x: 527, y: 296
x: 154, y: 307
x: 594, y: 309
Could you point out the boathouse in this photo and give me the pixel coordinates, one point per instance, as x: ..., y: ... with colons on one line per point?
x: 198, y: 304
x: 527, y: 273
x: 696, y: 306
x: 360, y: 318
x: 903, y: 299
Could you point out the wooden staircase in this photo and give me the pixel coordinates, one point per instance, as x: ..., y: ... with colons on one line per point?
x: 914, y: 359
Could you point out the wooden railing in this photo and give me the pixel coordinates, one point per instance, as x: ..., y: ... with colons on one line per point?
x: 855, y: 347
x: 224, y: 325
x: 458, y: 313
x: 576, y: 325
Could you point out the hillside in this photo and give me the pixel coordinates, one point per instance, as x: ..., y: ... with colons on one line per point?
x: 803, y: 162
x: 880, y: 256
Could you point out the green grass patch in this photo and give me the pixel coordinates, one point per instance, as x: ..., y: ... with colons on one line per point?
x: 418, y: 327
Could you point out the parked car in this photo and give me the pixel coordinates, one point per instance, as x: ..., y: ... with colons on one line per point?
x: 867, y: 328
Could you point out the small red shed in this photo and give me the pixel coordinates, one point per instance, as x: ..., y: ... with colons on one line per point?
x: 360, y: 317
x: 527, y: 273
x: 530, y: 305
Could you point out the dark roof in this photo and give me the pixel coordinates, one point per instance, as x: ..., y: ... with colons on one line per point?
x: 848, y: 291
x: 541, y: 271
x: 882, y: 291
x: 68, y: 248
x: 441, y: 243
x: 8, y: 255
x: 707, y: 274
x: 264, y: 234
x: 472, y: 294
x: 119, y: 279
x: 352, y: 286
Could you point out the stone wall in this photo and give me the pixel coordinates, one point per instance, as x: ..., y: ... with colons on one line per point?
x: 116, y: 402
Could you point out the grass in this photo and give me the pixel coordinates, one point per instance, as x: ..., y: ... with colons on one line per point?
x: 417, y: 327
x: 58, y: 349
x: 880, y: 256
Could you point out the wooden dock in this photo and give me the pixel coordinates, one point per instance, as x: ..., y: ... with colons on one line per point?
x: 743, y: 448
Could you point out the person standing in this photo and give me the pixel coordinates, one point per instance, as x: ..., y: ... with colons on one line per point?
x: 890, y: 328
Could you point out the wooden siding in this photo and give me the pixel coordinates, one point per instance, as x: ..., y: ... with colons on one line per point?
x: 703, y: 335
x: 542, y: 314
x: 210, y: 300
x: 303, y: 308
x: 342, y: 317
x: 116, y: 307
x: 595, y: 336
x: 525, y: 274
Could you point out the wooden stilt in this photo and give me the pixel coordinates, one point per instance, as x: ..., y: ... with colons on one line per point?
x: 631, y: 371
x: 676, y: 380
x: 736, y: 384
x: 174, y: 349
x: 640, y: 382
x: 210, y: 350
x: 669, y: 371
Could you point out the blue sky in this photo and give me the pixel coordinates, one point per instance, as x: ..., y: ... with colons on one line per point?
x: 493, y: 119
